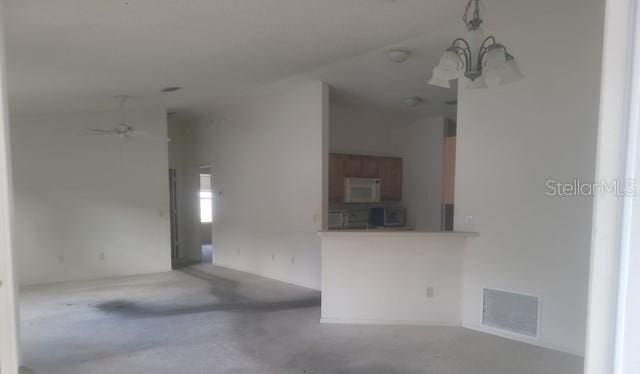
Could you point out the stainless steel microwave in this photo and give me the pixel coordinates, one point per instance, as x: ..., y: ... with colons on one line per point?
x: 387, y: 217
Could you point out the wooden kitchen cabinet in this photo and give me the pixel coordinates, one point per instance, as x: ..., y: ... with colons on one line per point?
x: 337, y: 173
x: 387, y: 169
x: 390, y: 173
x: 370, y: 166
x: 449, y: 170
x: 354, y: 166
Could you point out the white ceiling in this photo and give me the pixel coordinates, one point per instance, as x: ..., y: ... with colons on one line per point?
x: 74, y: 54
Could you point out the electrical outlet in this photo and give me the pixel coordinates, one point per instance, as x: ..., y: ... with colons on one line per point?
x: 430, y: 292
x: 293, y: 260
x: 101, y: 256
x: 469, y: 220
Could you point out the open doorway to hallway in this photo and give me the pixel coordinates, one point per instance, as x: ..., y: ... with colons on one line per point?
x: 205, y: 195
x: 173, y: 213
x: 192, y: 197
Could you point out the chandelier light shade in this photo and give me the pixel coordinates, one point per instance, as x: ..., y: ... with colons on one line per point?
x: 448, y: 69
x: 510, y: 71
x: 476, y: 58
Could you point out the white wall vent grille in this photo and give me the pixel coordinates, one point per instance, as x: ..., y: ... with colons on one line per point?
x: 512, y: 312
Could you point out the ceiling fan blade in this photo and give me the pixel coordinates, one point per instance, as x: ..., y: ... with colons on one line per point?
x: 144, y: 135
x: 98, y: 132
x: 138, y: 133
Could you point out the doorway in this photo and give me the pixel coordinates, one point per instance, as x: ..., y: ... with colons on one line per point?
x: 173, y: 209
x: 205, y: 194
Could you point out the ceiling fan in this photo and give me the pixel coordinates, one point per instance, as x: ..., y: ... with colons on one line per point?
x: 122, y: 130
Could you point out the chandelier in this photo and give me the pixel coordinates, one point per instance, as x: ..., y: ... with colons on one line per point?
x: 476, y: 58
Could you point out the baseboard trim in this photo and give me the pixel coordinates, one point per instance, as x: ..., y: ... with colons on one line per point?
x: 481, y: 329
x: 522, y: 339
x: 98, y: 278
x: 268, y: 276
x: 384, y: 322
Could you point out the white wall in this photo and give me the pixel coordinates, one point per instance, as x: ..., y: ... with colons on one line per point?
x: 423, y: 173
x: 510, y: 140
x: 182, y: 158
x: 268, y: 176
x: 9, y: 335
x: 80, y: 197
x: 384, y: 277
x: 613, y: 327
x: 178, y: 147
x: 359, y: 128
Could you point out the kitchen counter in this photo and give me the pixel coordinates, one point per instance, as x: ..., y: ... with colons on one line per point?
x: 392, y: 276
x: 394, y: 231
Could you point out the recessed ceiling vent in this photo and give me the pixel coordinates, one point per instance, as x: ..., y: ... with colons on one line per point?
x: 511, y: 312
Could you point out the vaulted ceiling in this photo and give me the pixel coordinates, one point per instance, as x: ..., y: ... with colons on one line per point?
x: 77, y: 54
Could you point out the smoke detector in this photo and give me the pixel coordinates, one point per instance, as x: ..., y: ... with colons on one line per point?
x: 398, y: 54
x: 413, y: 101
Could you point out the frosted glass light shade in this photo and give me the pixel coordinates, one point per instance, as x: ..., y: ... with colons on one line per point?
x: 450, y: 63
x: 440, y: 78
x: 510, y: 72
x: 448, y: 69
x: 495, y: 59
x: 478, y: 84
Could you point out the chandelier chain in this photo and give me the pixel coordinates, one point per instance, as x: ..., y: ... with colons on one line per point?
x: 475, y: 21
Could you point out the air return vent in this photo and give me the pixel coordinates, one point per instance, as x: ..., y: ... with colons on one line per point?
x: 512, y: 312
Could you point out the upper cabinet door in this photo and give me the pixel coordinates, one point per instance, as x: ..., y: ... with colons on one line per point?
x: 337, y: 173
x: 354, y: 166
x: 390, y: 171
x: 370, y: 166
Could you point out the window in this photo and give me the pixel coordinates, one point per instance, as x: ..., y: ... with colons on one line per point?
x: 206, y: 199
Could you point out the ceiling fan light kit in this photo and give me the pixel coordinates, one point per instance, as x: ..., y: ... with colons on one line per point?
x: 475, y: 58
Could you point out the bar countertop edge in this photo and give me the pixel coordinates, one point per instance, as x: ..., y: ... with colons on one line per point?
x: 397, y: 233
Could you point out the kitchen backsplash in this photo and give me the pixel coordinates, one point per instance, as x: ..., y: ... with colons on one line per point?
x: 360, y: 216
x: 351, y: 207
